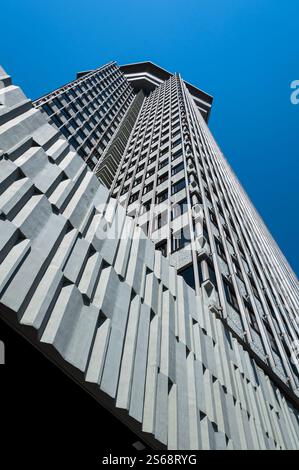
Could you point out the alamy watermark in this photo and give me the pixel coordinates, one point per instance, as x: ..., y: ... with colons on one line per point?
x: 295, y: 94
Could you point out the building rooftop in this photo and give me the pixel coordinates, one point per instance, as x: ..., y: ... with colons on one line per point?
x: 147, y: 75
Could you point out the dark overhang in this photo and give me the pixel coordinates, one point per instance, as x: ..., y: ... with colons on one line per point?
x: 147, y: 76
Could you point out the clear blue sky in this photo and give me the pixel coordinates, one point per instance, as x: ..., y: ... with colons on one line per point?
x: 244, y: 52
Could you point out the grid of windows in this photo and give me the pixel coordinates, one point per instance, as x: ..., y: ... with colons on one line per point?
x: 89, y: 110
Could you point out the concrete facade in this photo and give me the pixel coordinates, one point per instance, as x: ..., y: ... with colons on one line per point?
x: 80, y: 278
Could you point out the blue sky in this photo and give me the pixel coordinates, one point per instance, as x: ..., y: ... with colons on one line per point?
x: 244, y: 52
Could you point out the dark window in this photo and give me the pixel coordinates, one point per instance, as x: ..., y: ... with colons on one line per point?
x: 152, y: 160
x: 81, y: 134
x: 176, y: 142
x: 179, y: 208
x: 161, y: 219
x: 163, y: 178
x: 56, y: 120
x: 220, y: 249
x: 237, y: 269
x: 177, y: 154
x: 213, y: 217
x: 188, y: 275
x: 65, y: 131
x: 65, y: 113
x: 230, y: 294
x: 73, y: 141
x: 148, y: 188
x: 251, y: 315
x: 241, y: 249
x: 227, y: 234
x: 133, y: 198
x: 66, y: 97
x: 162, y: 246
x: 150, y: 172
x: 180, y: 239
x: 253, y: 285
x: 73, y: 123
x: 212, y: 275
x: 272, y: 339
x: 47, y: 108
x: 177, y: 168
x: 57, y: 103
x: 164, y: 163
x: 137, y: 181
x: 175, y: 188
x: 176, y: 133
x: 146, y: 207
x: 162, y: 196
x: 208, y: 195
x: 124, y: 190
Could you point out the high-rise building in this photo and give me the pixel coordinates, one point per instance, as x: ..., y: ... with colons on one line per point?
x: 130, y: 246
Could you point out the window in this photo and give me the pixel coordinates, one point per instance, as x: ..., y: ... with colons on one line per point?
x: 272, y: 339
x: 251, y: 315
x: 65, y: 113
x: 227, y: 234
x: 162, y: 196
x: 179, y: 208
x: 124, y: 190
x: 177, y: 132
x: 56, y: 120
x: 57, y: 103
x: 212, y: 275
x: 177, y: 154
x: 133, y: 198
x: 65, y: 131
x: 137, y: 181
x: 152, y: 160
x: 73, y: 141
x: 253, y: 285
x: 175, y: 188
x: 213, y: 217
x: 148, y: 188
x: 241, y: 248
x: 146, y: 207
x: 162, y: 246
x: 220, y: 249
x: 230, y: 294
x: 220, y: 209
x: 237, y: 268
x: 188, y: 275
x: 162, y: 164
x: 180, y: 239
x: 160, y: 220
x: 150, y: 172
x: 177, y: 168
x: 208, y: 195
x: 164, y: 151
x: 73, y: 123
x: 163, y: 178
x: 141, y: 167
x: 81, y: 134
x: 48, y: 109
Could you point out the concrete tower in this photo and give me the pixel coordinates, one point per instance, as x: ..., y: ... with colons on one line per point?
x: 133, y: 258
